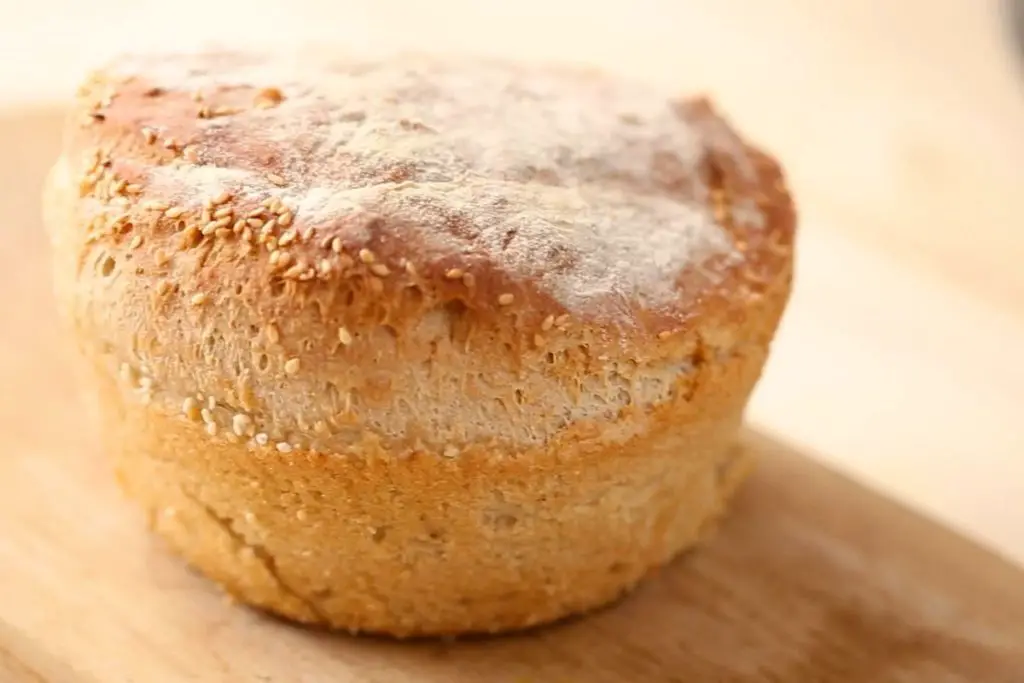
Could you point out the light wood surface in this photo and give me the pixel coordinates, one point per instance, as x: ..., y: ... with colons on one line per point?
x: 898, y: 364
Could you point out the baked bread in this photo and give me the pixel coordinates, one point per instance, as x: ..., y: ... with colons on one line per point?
x: 416, y: 344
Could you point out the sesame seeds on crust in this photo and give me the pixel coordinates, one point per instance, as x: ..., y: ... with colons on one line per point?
x: 350, y: 234
x: 602, y: 197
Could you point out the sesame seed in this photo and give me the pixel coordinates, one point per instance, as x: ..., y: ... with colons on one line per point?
x: 174, y: 212
x: 292, y: 366
x: 285, y: 219
x: 211, y: 428
x: 211, y: 402
x: 153, y: 205
x: 261, y: 438
x: 267, y: 98
x: 336, y: 245
x: 284, y: 447
x: 548, y: 323
x: 325, y: 267
x: 199, y: 299
x: 206, y: 414
x: 163, y: 288
x: 295, y: 271
x: 239, y: 226
x: 287, y: 238
x: 276, y: 179
x: 283, y: 259
x: 301, y: 515
x: 410, y: 268
x: 450, y: 451
x: 469, y: 279
x: 190, y: 237
x: 241, y: 424
x: 664, y: 334
x: 320, y: 427
x: 380, y: 269
x: 221, y: 198
x: 214, y: 226
x: 538, y: 340
x: 506, y: 299
x: 136, y: 242
x: 162, y: 258
x: 344, y: 336
x: 190, y: 408
x: 223, y: 211
x: 562, y: 320
x: 367, y: 256
x: 254, y: 223
x: 133, y: 188
x: 454, y: 274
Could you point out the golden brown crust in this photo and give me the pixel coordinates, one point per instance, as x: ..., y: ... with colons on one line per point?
x: 435, y: 282
x: 410, y: 133
x: 426, y: 545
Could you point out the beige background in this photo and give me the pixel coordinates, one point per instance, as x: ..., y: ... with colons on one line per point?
x: 902, y: 125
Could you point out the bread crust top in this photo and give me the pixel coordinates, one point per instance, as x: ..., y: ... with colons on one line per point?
x: 547, y: 190
x: 411, y: 249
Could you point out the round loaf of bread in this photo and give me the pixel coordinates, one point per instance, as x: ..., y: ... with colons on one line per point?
x: 416, y: 344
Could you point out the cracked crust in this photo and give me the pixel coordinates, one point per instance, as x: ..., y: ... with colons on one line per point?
x: 416, y: 345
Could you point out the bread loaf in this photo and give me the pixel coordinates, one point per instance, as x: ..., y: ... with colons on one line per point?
x: 416, y: 344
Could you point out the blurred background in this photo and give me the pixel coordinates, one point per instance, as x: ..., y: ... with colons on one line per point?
x: 901, y: 125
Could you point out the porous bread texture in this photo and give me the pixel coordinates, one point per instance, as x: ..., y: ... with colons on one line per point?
x: 417, y: 345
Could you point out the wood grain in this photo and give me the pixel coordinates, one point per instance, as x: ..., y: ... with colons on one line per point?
x: 813, y: 578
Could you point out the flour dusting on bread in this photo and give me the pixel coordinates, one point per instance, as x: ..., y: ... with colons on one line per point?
x: 600, y: 197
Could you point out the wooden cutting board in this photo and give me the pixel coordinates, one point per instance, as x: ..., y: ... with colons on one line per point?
x: 813, y: 578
